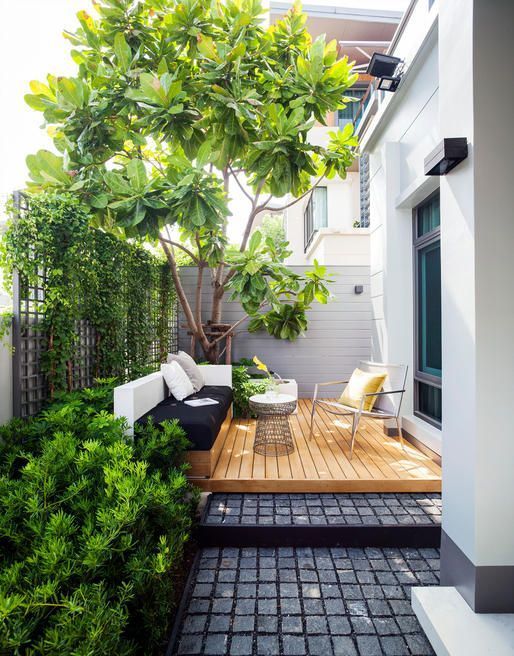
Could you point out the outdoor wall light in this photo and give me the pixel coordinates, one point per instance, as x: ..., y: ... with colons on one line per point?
x: 446, y: 155
x: 385, y: 67
x: 389, y: 83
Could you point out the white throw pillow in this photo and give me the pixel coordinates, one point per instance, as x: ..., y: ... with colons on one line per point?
x: 190, y: 367
x: 177, y: 380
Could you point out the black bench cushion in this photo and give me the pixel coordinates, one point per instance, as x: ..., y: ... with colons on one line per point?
x: 201, y: 424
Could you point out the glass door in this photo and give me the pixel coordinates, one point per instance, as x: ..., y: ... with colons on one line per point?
x: 428, y: 338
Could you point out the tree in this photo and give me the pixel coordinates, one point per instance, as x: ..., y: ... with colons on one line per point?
x: 272, y: 225
x: 174, y: 102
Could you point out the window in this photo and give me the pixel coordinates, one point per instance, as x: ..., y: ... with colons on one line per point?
x: 428, y: 342
x: 348, y: 114
x: 315, y: 215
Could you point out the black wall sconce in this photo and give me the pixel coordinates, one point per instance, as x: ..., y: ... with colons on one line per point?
x: 359, y: 289
x: 446, y: 156
x: 387, y: 69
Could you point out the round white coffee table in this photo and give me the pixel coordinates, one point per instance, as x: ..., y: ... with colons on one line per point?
x: 273, y: 434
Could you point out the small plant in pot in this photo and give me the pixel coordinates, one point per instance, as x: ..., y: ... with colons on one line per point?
x: 272, y: 382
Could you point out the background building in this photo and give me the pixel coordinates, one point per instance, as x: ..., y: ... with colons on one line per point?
x: 331, y: 224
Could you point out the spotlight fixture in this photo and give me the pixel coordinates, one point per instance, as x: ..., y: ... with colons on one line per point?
x: 389, y: 83
x: 385, y: 67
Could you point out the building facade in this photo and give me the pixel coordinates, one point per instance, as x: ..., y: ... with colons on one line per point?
x: 331, y: 224
x: 441, y: 270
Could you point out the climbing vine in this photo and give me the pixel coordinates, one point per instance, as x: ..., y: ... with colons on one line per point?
x: 122, y: 290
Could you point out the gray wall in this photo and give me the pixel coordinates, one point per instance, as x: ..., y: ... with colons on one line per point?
x: 338, y: 336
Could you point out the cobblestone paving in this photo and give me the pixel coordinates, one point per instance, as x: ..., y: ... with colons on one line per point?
x: 303, y: 601
x: 304, y: 509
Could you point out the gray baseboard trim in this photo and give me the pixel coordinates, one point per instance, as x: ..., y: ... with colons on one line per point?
x: 391, y: 431
x: 487, y: 589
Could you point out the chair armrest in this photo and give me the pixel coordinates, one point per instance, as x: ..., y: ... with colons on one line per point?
x: 364, y: 396
x: 217, y: 374
x: 382, y: 393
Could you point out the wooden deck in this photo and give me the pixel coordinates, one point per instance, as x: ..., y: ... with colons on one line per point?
x: 322, y: 464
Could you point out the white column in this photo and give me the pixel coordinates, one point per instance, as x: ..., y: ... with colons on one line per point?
x: 476, y: 89
x: 476, y: 80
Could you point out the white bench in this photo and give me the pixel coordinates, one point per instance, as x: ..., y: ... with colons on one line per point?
x: 136, y: 398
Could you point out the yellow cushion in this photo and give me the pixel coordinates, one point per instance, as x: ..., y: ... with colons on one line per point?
x: 360, y: 383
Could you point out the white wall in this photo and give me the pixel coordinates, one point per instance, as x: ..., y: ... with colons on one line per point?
x: 478, y: 269
x: 340, y: 243
x: 5, y: 380
x: 397, y: 142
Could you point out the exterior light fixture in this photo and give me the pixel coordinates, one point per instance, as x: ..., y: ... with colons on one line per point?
x: 446, y: 156
x: 385, y: 67
x: 389, y: 83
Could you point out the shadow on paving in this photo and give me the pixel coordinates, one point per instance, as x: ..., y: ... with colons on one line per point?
x: 305, y: 600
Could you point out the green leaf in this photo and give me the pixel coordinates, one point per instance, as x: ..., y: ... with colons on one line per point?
x: 47, y: 169
x: 254, y: 242
x: 118, y: 184
x: 122, y: 51
x: 99, y: 201
x: 207, y: 47
x: 136, y: 173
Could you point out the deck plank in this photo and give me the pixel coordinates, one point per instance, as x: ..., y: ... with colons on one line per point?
x: 322, y: 464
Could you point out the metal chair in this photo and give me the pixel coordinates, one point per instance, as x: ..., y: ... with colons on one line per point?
x: 387, y: 405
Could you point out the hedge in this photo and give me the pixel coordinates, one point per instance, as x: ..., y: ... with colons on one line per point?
x: 93, y: 528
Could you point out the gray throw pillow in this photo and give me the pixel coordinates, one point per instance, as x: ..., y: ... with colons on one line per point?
x: 190, y: 367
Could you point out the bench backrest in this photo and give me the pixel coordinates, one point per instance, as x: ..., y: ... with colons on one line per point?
x: 138, y: 397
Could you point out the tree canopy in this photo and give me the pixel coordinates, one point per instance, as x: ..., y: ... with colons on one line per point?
x: 174, y: 101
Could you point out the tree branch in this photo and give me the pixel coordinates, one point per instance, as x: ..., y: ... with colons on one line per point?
x: 198, y: 295
x: 196, y: 329
x: 183, y: 248
x: 218, y: 279
x: 253, y: 213
x: 238, y: 323
x: 263, y: 205
x: 296, y: 200
x: 249, y: 196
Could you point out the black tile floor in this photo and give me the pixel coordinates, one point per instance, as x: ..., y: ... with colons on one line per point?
x: 304, y: 509
x: 305, y: 601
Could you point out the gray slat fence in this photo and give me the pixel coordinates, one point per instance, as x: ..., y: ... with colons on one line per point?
x: 339, y: 334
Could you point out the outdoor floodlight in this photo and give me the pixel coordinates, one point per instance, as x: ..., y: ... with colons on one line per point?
x: 385, y: 67
x: 389, y: 83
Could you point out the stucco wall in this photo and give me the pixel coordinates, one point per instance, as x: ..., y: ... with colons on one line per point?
x: 337, y: 338
x: 397, y: 144
x: 343, y: 209
x: 5, y: 380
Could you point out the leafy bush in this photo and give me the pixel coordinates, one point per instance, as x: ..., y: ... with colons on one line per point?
x: 92, y: 530
x: 244, y: 388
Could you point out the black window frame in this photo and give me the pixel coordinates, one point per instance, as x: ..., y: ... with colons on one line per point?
x: 420, y: 243
x: 309, y: 227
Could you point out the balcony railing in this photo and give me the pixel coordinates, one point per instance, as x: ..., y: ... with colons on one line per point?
x: 368, y: 98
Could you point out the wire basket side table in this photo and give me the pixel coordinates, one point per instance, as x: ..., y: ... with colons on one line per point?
x: 273, y: 433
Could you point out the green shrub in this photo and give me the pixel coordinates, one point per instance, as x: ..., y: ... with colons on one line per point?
x: 243, y: 389
x: 92, y: 530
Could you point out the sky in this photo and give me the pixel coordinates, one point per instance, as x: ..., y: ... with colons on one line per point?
x: 31, y: 45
